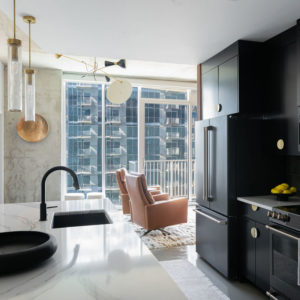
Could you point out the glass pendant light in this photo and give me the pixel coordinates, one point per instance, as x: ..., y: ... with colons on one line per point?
x: 14, y: 71
x: 29, y: 79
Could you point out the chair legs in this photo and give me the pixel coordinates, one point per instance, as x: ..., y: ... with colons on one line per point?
x: 164, y: 231
x: 161, y: 229
x: 145, y: 233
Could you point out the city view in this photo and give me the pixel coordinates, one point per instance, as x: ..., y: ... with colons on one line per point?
x: 90, y: 122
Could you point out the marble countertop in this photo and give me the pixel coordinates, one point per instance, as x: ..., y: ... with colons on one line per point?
x: 91, y: 262
x: 269, y: 201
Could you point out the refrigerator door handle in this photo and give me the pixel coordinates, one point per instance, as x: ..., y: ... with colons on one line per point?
x: 205, y: 164
x: 209, y: 170
x: 221, y: 222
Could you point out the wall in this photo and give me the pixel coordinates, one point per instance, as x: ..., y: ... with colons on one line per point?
x: 25, y: 163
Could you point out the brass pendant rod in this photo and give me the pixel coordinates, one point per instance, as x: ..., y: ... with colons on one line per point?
x: 90, y: 65
x: 14, y: 19
x: 77, y: 60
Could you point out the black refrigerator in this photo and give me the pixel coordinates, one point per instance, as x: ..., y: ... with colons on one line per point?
x: 229, y: 162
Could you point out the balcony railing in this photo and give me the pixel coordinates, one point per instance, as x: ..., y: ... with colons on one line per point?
x: 171, y: 175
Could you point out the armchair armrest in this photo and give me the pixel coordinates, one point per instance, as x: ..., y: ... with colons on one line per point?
x: 160, y: 197
x: 167, y: 213
x: 155, y: 187
x: 154, y: 192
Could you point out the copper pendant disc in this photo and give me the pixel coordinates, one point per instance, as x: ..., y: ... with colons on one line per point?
x: 33, y: 132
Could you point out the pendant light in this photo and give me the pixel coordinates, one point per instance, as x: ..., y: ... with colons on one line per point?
x: 29, y: 79
x: 14, y: 70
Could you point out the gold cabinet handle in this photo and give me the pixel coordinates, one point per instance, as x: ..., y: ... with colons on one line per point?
x: 280, y: 144
x: 254, y: 208
x: 254, y: 232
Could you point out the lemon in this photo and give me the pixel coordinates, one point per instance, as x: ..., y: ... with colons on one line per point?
x: 293, y: 189
x: 285, y: 185
x: 275, y: 191
x: 286, y: 192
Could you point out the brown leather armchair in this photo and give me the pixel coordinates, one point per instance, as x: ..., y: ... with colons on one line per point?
x: 150, y: 213
x: 121, y: 174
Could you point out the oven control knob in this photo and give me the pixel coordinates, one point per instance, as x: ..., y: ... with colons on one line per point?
x: 269, y: 214
x: 274, y: 215
x: 283, y: 218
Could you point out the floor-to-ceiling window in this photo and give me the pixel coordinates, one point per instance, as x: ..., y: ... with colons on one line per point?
x: 103, y: 137
x: 120, y: 141
x: 84, y: 135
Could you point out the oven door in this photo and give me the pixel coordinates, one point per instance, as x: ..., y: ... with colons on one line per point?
x: 284, y: 263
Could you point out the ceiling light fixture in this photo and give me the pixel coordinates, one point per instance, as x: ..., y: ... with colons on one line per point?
x: 119, y: 90
x: 14, y: 70
x: 29, y: 78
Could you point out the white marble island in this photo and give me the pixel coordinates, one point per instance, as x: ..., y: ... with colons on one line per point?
x: 91, y: 262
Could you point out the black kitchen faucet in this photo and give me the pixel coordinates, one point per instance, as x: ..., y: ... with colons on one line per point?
x: 43, y: 207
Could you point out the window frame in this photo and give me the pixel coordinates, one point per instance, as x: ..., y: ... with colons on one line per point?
x: 187, y: 87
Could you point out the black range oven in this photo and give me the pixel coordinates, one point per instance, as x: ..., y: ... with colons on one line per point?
x: 284, y: 253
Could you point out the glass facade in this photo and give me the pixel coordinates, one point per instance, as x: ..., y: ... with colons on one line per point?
x: 120, y: 141
x: 84, y: 135
x: 166, y: 142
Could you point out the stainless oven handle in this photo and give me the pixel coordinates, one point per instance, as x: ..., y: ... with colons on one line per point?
x: 271, y: 296
x: 221, y: 222
x: 282, y: 233
x: 205, y: 164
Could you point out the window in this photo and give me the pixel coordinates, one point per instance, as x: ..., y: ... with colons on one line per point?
x: 120, y: 141
x: 114, y: 138
x: 84, y: 135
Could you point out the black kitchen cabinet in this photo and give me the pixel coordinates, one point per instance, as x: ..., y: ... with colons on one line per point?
x: 247, y: 250
x: 210, y: 92
x: 255, y: 253
x: 262, y: 254
x: 298, y: 61
x: 231, y: 82
x: 228, y: 87
x: 280, y: 105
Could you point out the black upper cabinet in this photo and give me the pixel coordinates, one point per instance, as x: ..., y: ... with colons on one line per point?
x: 228, y: 87
x: 210, y: 92
x: 280, y: 105
x: 231, y: 81
x: 298, y: 62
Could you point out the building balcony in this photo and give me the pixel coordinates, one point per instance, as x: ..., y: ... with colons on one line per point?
x: 171, y: 175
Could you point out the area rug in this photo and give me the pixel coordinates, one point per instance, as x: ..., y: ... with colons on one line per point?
x: 192, y: 282
x: 174, y: 236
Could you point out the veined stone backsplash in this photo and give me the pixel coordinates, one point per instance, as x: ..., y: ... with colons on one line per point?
x: 25, y: 163
x: 293, y: 171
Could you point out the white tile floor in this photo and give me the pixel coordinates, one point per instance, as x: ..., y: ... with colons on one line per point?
x: 235, y: 290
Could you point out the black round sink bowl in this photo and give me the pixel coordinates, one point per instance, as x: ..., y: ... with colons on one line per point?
x: 20, y: 250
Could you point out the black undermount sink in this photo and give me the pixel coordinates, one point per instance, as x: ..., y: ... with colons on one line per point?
x: 80, y: 218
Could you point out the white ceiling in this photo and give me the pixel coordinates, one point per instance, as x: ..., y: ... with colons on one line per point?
x: 169, y: 31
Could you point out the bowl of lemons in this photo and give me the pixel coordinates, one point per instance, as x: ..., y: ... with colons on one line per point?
x: 283, y: 191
